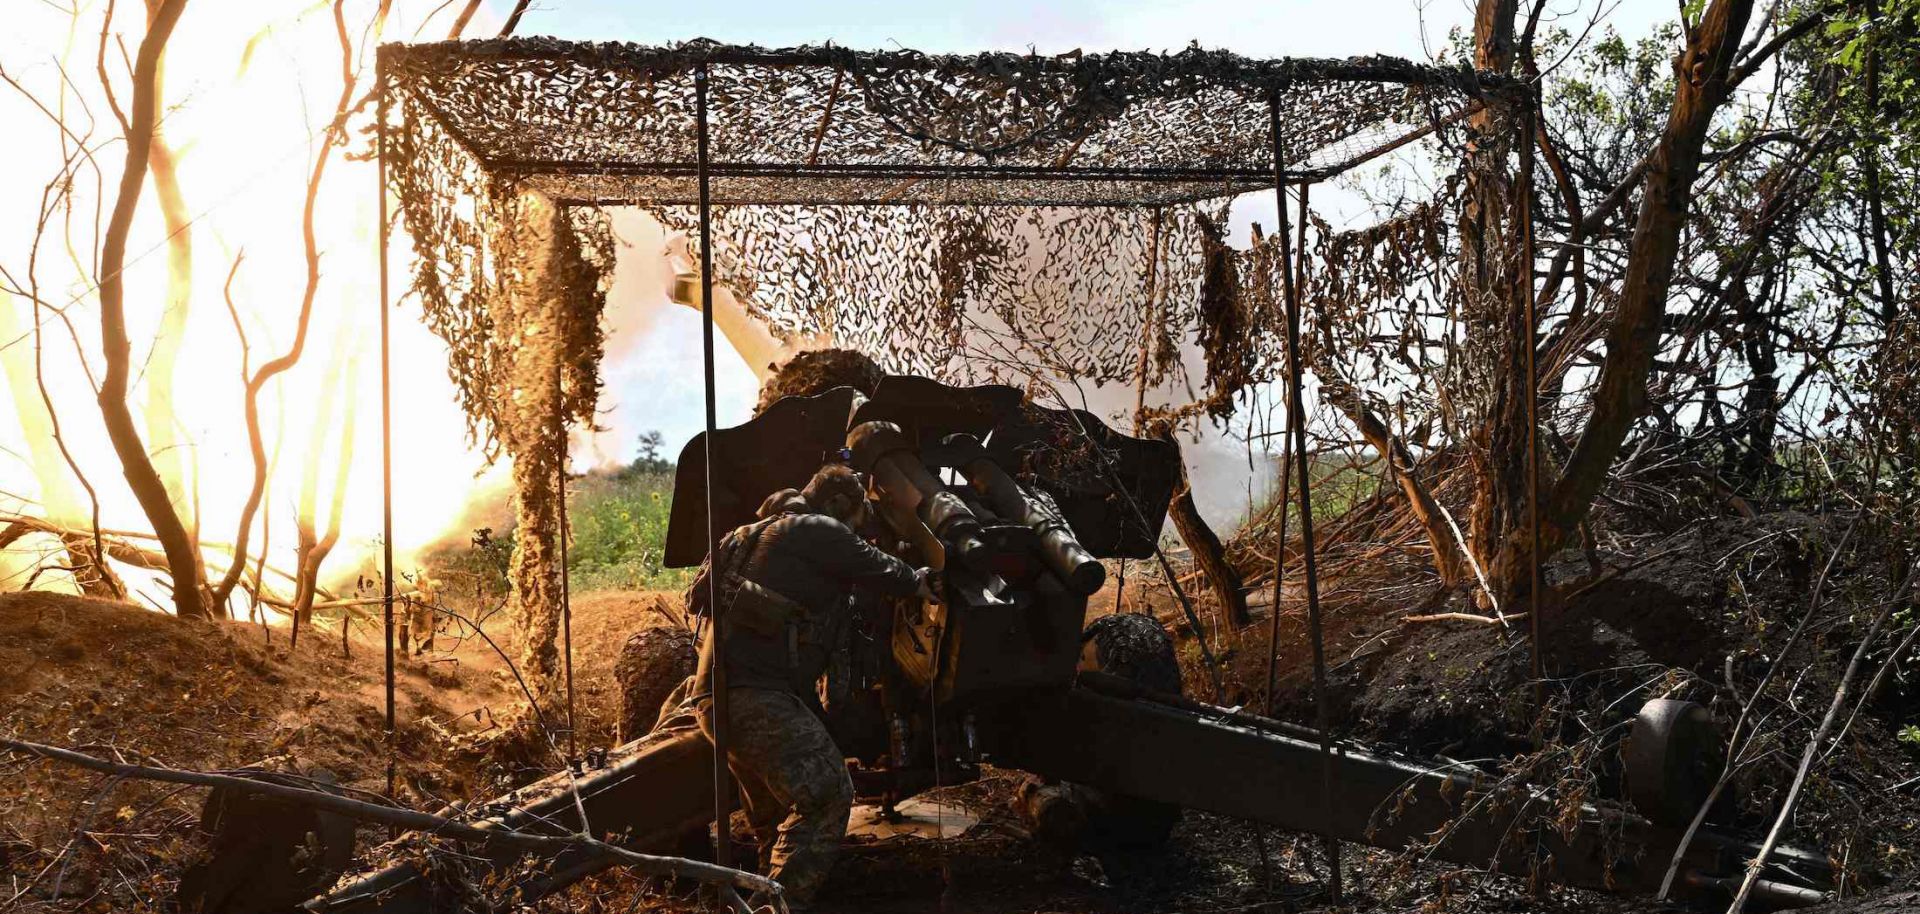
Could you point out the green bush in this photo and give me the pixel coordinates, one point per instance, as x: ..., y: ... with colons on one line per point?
x: 619, y: 524
x: 619, y: 521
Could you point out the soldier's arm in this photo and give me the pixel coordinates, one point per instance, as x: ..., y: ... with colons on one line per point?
x: 843, y: 553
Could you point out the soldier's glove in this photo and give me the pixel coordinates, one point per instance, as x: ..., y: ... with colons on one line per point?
x: 929, y: 582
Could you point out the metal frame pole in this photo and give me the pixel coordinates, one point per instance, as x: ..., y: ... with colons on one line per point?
x: 386, y: 418
x: 566, y: 583
x: 1524, y: 273
x: 722, y: 779
x: 1297, y: 438
x: 1286, y: 460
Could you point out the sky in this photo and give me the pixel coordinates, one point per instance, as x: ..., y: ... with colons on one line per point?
x: 1312, y: 28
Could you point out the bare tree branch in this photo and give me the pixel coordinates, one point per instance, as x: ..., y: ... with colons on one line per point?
x: 513, y: 19
x: 361, y: 810
x: 460, y: 21
x: 183, y: 560
x: 255, y: 440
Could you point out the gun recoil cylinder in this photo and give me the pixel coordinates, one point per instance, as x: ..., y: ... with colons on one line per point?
x: 1058, y: 547
x: 884, y: 451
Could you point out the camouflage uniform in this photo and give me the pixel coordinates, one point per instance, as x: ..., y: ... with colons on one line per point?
x: 793, y: 784
x: 791, y: 773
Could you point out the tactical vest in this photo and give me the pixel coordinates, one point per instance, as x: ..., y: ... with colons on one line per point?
x: 758, y: 617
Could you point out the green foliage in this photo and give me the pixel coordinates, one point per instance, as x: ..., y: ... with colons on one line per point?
x: 619, y: 523
x: 1690, y: 11
x: 1855, y: 43
x: 1910, y: 734
x: 651, y: 459
x: 475, y: 569
x: 1610, y: 98
x: 620, y: 532
x: 1341, y: 482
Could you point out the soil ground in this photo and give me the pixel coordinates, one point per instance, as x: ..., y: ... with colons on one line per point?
x: 117, y: 678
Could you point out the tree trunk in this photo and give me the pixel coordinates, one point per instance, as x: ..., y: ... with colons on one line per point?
x: 1752, y: 467
x: 312, y: 549
x: 304, y: 316
x: 93, y: 577
x: 306, y: 573
x: 1491, y: 381
x: 91, y: 573
x: 183, y: 560
x: 162, y: 423
x: 1620, y: 396
x: 51, y: 461
x: 1208, y: 553
x: 1446, y: 549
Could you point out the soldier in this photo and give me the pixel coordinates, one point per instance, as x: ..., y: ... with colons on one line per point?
x: 418, y: 630
x: 785, y: 584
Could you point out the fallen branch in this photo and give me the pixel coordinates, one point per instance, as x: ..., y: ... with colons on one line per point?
x: 1479, y: 574
x: 1465, y: 617
x: 130, y: 553
x: 413, y: 820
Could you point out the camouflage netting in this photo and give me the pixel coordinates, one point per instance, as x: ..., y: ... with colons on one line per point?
x: 484, y: 253
x: 815, y: 371
x: 1007, y: 211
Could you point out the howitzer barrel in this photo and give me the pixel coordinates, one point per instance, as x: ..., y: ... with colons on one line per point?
x: 1058, y: 546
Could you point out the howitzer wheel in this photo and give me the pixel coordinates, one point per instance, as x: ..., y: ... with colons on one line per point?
x: 653, y: 664
x: 1672, y: 757
x: 1135, y: 648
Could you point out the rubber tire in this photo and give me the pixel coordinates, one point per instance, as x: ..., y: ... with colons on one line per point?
x: 1671, y: 758
x: 1135, y: 648
x: 653, y: 664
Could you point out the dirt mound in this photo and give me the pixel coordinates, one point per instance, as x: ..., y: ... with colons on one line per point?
x: 602, y: 623
x: 1675, y: 609
x: 111, y: 678
x: 208, y: 694
x: 1699, y: 614
x: 117, y: 679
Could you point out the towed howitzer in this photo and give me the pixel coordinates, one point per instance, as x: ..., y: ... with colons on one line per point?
x: 999, y: 672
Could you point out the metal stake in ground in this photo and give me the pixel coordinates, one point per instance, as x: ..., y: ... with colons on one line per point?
x: 386, y: 422
x: 1297, y: 438
x: 566, y: 588
x: 722, y: 780
x: 1524, y: 274
x: 1166, y: 568
x: 1286, y: 484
